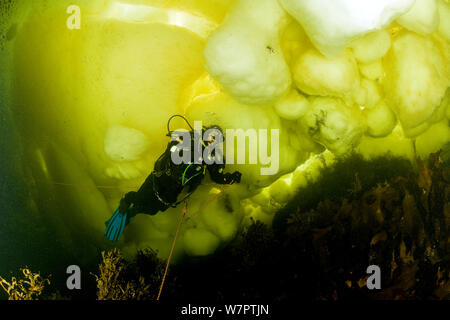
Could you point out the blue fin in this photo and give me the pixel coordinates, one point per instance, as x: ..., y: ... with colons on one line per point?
x: 115, y: 226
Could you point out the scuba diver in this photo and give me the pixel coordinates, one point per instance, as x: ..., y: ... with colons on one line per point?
x: 162, y: 187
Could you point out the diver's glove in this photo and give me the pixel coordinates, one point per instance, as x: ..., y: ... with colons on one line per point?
x: 237, y: 176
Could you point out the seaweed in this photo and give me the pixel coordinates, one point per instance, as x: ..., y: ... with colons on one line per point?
x: 348, y: 178
x: 402, y: 225
x: 29, y: 288
x: 111, y: 284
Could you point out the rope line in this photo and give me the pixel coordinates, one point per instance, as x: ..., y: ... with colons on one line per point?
x: 171, y: 250
x: 182, y: 221
x: 86, y: 185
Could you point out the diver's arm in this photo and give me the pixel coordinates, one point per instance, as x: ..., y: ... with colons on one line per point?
x: 217, y: 175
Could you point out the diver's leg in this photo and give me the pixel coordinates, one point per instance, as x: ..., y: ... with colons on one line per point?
x: 148, y: 208
x: 151, y: 205
x: 144, y: 201
x: 127, y: 200
x: 131, y: 204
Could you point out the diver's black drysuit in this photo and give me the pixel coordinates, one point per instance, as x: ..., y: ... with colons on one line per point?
x: 163, y: 186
